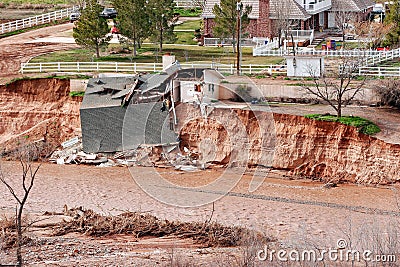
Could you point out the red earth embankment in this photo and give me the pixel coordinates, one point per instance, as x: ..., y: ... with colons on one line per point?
x: 324, y: 150
x: 37, y: 109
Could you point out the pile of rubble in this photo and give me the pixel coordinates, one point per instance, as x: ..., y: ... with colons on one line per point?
x: 145, y: 155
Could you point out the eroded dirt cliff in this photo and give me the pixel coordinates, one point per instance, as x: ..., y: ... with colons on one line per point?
x: 324, y: 150
x: 37, y: 109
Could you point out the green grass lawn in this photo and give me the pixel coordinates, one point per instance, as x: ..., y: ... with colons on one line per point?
x: 38, y: 2
x: 185, y: 38
x: 189, y: 25
x: 188, y: 12
x: 363, y: 125
x: 149, y: 53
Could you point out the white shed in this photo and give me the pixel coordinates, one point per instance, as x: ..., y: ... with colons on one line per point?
x: 304, y: 66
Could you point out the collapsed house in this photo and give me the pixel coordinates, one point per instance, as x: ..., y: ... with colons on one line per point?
x: 121, y: 113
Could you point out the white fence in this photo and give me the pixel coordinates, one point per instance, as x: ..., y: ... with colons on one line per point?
x: 36, y: 20
x: 383, y: 56
x: 72, y: 67
x: 379, y: 71
x: 328, y: 53
x: 227, y: 42
x: 187, y: 3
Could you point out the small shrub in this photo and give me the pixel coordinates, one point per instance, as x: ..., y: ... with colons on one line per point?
x: 389, y: 93
x: 76, y: 93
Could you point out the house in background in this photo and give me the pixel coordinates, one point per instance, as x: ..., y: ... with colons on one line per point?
x: 120, y: 113
x: 309, y: 14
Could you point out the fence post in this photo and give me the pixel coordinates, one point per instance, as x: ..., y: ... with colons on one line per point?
x: 40, y: 67
x: 97, y: 66
x: 250, y: 68
x: 231, y: 69
x: 77, y: 66
x: 58, y: 67
x: 154, y: 67
x: 116, y: 66
x: 134, y: 66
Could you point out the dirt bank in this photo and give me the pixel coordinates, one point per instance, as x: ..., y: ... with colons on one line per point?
x: 323, y: 150
x: 36, y: 109
x: 16, y: 49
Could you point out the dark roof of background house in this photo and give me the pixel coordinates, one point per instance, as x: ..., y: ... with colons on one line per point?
x: 287, y: 9
x: 351, y: 5
x: 209, y: 5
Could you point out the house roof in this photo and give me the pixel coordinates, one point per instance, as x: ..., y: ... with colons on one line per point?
x: 209, y: 5
x: 289, y: 9
x: 351, y: 5
x: 109, y: 91
x: 155, y: 81
x: 100, y: 92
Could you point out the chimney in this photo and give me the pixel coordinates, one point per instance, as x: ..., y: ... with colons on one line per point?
x: 167, y: 60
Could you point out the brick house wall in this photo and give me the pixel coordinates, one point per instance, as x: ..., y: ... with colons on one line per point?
x: 261, y: 27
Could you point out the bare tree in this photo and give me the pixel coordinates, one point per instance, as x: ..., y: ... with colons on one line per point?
x: 283, y: 21
x: 339, y: 88
x: 389, y: 92
x: 21, y: 189
x: 343, y: 16
x: 372, y: 33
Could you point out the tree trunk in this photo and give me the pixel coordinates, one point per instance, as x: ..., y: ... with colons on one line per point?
x: 19, y: 236
x: 161, y: 39
x: 97, y: 51
x: 339, y: 110
x: 134, y: 42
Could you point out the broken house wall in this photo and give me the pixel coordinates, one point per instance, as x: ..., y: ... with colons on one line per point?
x: 111, y: 129
x: 212, y: 80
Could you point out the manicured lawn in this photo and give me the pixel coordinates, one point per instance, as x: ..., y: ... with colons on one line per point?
x: 149, y: 53
x: 188, y: 12
x: 189, y: 25
x: 185, y: 38
x: 364, y: 126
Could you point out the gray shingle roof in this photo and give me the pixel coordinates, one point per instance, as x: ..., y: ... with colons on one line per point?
x: 209, y: 5
x: 289, y: 9
x: 351, y: 5
x: 100, y: 94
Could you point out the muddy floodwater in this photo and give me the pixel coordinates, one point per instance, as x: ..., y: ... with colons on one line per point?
x: 288, y: 209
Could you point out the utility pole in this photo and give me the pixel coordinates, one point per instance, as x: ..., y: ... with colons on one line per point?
x: 238, y: 9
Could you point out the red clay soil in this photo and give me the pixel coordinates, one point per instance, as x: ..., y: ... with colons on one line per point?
x: 15, y: 50
x: 37, y: 109
x: 323, y: 150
